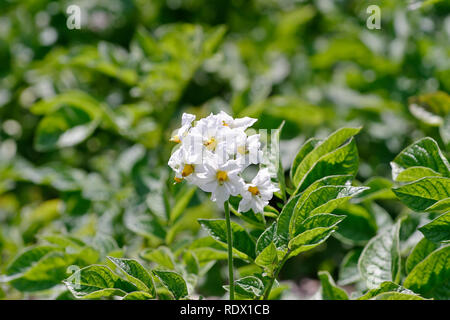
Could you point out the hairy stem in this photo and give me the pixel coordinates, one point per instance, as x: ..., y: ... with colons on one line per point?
x: 230, y: 250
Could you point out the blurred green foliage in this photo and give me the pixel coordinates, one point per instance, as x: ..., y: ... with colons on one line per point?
x: 86, y: 115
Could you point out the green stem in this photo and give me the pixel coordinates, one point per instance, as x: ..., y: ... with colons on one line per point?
x: 275, y: 275
x: 230, y: 250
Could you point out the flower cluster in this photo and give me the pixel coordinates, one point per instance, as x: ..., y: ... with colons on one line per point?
x: 214, y: 152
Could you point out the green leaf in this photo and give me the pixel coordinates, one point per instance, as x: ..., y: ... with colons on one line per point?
x: 380, y: 259
x: 422, y: 249
x: 358, y: 227
x: 423, y: 155
x: 438, y: 230
x: 28, y: 258
x: 136, y: 274
x: 397, y: 296
x: 415, y: 173
x: 310, y: 157
x: 440, y: 206
x: 174, y: 282
x: 66, y: 127
x: 191, y: 261
x: 309, y: 239
x: 286, y: 217
x: 430, y: 108
x: 423, y: 193
x: 242, y: 241
x: 348, y: 270
x: 323, y: 200
x: 45, y: 273
x: 307, y: 147
x: 161, y: 255
x: 430, y: 278
x: 328, y: 158
x: 138, y: 295
x: 283, y: 222
x: 379, y: 188
x: 266, y: 238
x: 268, y: 258
x: 248, y: 287
x: 329, y: 289
x: 386, y: 286
x: 97, y: 281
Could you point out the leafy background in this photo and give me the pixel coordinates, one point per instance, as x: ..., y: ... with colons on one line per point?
x: 85, y: 118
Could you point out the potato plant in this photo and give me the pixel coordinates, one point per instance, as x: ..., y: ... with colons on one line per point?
x: 346, y: 191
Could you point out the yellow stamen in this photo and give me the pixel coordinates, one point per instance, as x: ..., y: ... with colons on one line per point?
x: 222, y: 176
x: 211, y: 144
x: 224, y: 124
x: 175, y: 139
x: 187, y: 170
x: 177, y: 180
x: 253, y: 190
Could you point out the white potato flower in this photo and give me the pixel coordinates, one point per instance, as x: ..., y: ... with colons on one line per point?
x: 257, y: 194
x: 186, y: 123
x: 222, y: 180
x: 240, y: 123
x: 186, y: 166
x: 213, y: 153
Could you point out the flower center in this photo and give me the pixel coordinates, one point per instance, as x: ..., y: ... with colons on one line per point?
x: 222, y: 176
x: 224, y: 123
x: 175, y: 139
x: 253, y: 190
x: 211, y: 144
x: 187, y: 170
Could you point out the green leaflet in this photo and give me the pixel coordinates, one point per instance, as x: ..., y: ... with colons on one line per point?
x: 268, y: 258
x: 359, y: 225
x: 430, y: 277
x: 422, y: 249
x: 161, y: 255
x: 309, y: 239
x: 138, y: 295
x: 191, y: 261
x: 397, y: 296
x: 380, y: 259
x: 174, y: 282
x: 329, y: 289
x: 423, y: 193
x: 136, y: 274
x: 341, y: 161
x: 242, y: 241
x: 307, y: 147
x: 440, y: 206
x: 286, y: 217
x: 248, y: 287
x: 27, y: 258
x: 415, y: 173
x: 386, y: 286
x: 348, y: 270
x: 97, y: 281
x: 379, y: 188
x: 438, y: 230
x: 323, y: 200
x: 424, y: 153
x: 308, y: 159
